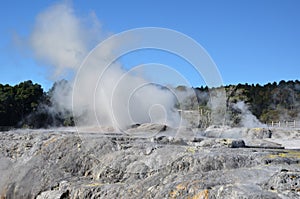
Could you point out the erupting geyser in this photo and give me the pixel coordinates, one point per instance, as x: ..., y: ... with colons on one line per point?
x: 101, y: 91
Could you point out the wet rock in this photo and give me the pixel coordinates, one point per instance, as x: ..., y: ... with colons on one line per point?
x: 237, y: 144
x: 197, y: 139
x: 162, y: 139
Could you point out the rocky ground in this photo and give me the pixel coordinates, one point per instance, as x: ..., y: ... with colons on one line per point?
x: 150, y: 161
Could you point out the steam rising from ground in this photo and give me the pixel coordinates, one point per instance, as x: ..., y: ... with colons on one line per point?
x: 101, y: 96
x: 247, y: 118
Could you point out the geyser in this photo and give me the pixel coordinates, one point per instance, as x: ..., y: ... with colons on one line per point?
x: 101, y: 91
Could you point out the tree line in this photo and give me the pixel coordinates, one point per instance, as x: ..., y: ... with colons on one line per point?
x: 28, y: 105
x: 269, y: 102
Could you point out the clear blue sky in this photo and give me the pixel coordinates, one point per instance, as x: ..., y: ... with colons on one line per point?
x: 251, y: 41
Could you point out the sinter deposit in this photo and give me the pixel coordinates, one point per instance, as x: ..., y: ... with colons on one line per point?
x: 102, y: 163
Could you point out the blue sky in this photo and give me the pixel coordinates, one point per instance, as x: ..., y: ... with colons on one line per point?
x: 251, y: 41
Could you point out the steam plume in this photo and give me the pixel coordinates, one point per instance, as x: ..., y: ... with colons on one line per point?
x: 118, y: 97
x: 247, y: 118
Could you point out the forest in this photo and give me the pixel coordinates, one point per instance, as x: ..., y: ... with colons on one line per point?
x: 27, y: 105
x: 270, y: 102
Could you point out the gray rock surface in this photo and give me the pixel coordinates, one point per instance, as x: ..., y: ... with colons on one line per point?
x: 66, y: 164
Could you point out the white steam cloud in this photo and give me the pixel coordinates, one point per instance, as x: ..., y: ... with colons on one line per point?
x: 58, y: 38
x: 118, y: 98
x: 247, y: 118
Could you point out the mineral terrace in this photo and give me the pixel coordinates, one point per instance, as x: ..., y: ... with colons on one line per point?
x: 150, y: 161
